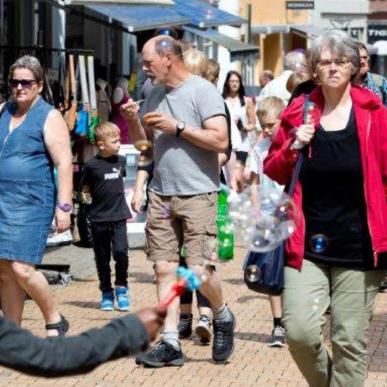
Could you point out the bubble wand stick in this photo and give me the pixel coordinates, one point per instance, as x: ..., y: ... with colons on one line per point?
x: 187, y: 280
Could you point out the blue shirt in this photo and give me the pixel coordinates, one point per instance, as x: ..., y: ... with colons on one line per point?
x: 377, y: 84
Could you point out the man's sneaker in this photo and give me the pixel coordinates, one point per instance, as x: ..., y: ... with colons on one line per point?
x: 185, y: 326
x: 107, y: 301
x: 203, y: 329
x: 223, y: 344
x: 122, y: 299
x: 161, y: 355
x: 278, y: 336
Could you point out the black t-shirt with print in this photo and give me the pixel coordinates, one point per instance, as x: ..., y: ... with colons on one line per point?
x: 333, y: 199
x: 104, y: 176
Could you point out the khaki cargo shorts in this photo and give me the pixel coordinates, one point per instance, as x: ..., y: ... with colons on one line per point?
x: 174, y: 220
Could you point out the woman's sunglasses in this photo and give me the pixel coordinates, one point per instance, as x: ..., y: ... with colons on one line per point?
x: 24, y: 83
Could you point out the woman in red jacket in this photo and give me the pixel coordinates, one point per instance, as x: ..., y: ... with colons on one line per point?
x: 335, y: 255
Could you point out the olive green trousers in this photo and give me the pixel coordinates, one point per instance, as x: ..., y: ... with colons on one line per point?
x: 350, y: 294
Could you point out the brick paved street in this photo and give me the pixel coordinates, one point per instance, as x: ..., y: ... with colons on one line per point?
x: 252, y: 364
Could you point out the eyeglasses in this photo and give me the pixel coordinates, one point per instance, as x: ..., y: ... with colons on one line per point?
x: 25, y: 83
x: 339, y: 63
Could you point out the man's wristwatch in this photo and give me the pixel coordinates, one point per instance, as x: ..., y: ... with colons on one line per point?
x: 180, y: 126
x: 65, y: 207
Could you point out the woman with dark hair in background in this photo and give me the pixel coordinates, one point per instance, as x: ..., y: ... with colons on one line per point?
x: 242, y: 111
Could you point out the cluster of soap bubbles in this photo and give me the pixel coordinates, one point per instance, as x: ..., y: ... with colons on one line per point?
x: 264, y: 225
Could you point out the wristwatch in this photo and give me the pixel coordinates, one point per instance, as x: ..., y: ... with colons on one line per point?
x: 65, y: 207
x: 180, y: 126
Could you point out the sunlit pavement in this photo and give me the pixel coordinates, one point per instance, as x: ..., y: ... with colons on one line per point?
x: 252, y: 364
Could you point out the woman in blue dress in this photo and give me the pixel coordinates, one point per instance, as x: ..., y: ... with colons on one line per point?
x: 33, y: 140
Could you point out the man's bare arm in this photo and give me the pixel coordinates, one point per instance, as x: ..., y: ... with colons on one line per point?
x: 213, y: 136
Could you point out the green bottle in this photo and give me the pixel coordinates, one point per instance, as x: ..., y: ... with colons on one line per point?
x: 225, y: 228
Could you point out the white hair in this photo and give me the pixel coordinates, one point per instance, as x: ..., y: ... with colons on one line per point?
x: 340, y: 43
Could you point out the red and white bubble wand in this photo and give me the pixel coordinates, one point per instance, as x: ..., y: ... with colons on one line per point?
x: 188, y: 280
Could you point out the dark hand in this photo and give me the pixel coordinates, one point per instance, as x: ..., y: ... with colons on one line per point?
x: 153, y: 319
x: 160, y: 121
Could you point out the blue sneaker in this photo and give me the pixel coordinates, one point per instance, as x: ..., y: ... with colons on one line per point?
x: 122, y: 299
x: 107, y: 301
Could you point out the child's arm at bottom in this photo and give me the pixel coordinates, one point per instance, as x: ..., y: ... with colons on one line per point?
x: 138, y: 189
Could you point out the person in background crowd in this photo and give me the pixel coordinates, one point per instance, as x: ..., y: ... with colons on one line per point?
x: 265, y: 77
x: 33, y: 139
x: 295, y: 61
x: 125, y: 336
x: 103, y: 180
x: 295, y: 80
x: 268, y: 113
x: 183, y: 192
x: 197, y: 63
x: 334, y: 257
x: 229, y: 167
x: 120, y: 97
x: 103, y: 104
x: 374, y: 82
x: 242, y: 111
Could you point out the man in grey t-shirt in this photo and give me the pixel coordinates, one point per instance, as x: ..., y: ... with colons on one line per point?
x: 184, y: 116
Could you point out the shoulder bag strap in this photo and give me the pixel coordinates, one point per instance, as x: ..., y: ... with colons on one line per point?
x: 297, y: 169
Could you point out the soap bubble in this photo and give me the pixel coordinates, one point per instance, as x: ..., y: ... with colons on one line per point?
x: 253, y: 273
x: 143, y: 145
x: 318, y: 243
x: 263, y: 226
x: 144, y: 160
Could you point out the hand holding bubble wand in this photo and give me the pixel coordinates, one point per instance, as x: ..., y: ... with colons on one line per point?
x: 305, y: 133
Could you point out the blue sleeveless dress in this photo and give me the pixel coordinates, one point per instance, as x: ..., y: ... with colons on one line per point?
x: 27, y: 194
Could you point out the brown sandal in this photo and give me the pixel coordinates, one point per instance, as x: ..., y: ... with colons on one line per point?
x: 62, y: 326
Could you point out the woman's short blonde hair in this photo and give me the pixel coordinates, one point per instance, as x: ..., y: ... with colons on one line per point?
x: 295, y: 79
x: 196, y: 62
x: 106, y: 131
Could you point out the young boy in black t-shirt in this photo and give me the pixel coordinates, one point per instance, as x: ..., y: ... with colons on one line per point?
x: 103, y: 179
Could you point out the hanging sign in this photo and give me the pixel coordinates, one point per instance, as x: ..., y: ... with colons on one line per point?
x: 297, y: 5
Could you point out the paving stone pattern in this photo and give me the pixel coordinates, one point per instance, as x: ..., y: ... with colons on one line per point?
x: 252, y: 364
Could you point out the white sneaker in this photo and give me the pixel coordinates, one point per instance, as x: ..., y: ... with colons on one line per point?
x: 64, y: 238
x: 203, y: 330
x: 278, y: 337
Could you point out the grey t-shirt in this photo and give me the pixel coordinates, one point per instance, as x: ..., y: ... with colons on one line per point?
x: 182, y: 168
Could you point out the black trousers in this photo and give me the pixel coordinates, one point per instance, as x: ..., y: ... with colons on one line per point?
x: 111, y: 237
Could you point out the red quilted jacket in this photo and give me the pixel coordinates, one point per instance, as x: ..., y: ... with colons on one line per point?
x: 371, y: 120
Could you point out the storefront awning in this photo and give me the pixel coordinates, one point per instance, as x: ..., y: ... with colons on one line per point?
x: 308, y: 30
x: 203, y: 15
x: 128, y: 2
x: 140, y: 18
x: 269, y: 28
x: 238, y: 50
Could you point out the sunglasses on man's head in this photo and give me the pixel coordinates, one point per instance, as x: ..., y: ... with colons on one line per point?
x: 25, y: 83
